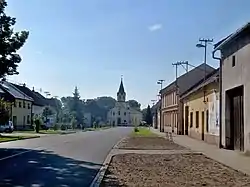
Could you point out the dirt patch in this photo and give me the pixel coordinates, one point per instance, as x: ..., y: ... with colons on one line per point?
x: 152, y: 143
x: 173, y: 170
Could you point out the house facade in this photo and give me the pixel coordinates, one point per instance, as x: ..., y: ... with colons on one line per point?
x: 201, y: 110
x: 235, y: 89
x: 122, y: 114
x: 21, y: 106
x: 171, y: 104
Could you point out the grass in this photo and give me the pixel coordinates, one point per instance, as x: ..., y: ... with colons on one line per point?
x: 4, y: 138
x: 143, y: 131
x: 96, y: 129
x: 50, y: 131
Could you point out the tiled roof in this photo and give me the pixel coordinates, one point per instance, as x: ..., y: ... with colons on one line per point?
x: 15, y: 92
x: 187, y: 80
x: 212, y: 77
x: 37, y: 99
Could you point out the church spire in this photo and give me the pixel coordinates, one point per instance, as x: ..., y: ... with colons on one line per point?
x: 121, y: 94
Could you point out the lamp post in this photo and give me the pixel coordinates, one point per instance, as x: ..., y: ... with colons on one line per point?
x: 160, y: 82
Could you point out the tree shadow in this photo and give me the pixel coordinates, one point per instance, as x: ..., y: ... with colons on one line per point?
x: 41, y: 168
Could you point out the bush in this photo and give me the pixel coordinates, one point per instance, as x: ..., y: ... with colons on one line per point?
x: 38, y: 125
x: 56, y: 127
x: 63, y: 127
x: 136, y: 129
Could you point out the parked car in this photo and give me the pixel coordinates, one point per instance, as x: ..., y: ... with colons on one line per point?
x: 7, y: 127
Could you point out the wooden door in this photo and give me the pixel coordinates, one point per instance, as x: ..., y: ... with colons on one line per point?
x: 202, y: 125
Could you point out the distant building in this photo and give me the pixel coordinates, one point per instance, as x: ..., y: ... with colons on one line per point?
x: 122, y: 114
x: 171, y: 105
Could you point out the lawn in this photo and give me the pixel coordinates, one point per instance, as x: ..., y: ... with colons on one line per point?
x: 143, y: 131
x: 50, y: 131
x: 96, y: 129
x: 8, y: 138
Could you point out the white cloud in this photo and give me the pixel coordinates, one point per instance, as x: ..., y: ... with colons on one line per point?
x: 155, y: 27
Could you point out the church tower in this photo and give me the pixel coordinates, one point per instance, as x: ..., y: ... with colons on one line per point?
x: 121, y: 94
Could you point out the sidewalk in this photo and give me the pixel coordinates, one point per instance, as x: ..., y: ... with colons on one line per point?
x: 230, y: 158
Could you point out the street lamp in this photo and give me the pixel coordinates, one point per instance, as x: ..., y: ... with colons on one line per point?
x: 160, y: 82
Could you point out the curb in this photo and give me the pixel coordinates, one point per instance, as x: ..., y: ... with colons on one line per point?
x: 100, y: 175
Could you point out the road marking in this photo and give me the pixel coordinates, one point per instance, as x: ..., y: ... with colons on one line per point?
x: 11, y: 156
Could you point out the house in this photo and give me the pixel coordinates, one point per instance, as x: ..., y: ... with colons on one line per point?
x: 122, y: 114
x: 201, y: 109
x: 39, y: 102
x: 21, y: 105
x: 171, y: 105
x: 235, y: 89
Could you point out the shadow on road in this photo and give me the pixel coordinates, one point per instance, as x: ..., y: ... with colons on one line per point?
x: 44, y: 169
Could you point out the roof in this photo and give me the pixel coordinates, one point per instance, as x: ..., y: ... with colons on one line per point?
x: 15, y: 92
x: 37, y: 99
x: 121, y: 88
x: 212, y: 77
x: 229, y: 38
x: 189, y: 79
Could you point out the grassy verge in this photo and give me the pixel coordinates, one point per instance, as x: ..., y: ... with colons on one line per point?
x: 50, y: 131
x: 143, y: 131
x: 4, y: 138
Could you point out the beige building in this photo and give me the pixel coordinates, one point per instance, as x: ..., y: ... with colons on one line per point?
x: 172, y: 106
x: 201, y: 110
x: 235, y: 89
x: 21, y: 105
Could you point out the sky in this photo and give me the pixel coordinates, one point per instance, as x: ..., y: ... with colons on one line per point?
x: 91, y: 43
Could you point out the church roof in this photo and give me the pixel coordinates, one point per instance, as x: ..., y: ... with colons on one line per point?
x: 121, y: 88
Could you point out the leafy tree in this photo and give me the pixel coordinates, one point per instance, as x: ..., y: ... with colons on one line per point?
x: 76, y: 108
x: 134, y: 104
x: 149, y: 118
x: 10, y: 43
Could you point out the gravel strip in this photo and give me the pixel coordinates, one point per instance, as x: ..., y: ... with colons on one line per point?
x: 151, y: 143
x: 171, y: 171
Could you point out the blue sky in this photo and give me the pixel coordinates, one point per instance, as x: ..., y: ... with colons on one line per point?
x: 91, y: 43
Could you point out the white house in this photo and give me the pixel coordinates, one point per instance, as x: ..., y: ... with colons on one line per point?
x: 122, y: 114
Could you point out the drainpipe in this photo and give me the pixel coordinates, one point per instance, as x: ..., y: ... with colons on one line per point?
x: 220, y: 96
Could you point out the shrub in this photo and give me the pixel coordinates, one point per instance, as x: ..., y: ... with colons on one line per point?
x: 56, y: 126
x: 38, y: 124
x: 136, y: 129
x: 63, y: 127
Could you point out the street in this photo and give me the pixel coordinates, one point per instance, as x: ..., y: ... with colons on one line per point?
x: 57, y: 160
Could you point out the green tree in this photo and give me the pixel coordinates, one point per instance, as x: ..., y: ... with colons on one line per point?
x: 10, y: 43
x: 4, y: 113
x: 76, y: 108
x: 134, y: 104
x: 149, y: 118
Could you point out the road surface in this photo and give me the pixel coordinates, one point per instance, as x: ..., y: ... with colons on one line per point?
x: 58, y: 160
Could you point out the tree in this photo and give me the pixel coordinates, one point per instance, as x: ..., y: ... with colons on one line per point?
x: 76, y: 108
x: 4, y: 113
x: 10, y: 43
x: 134, y: 104
x: 149, y: 118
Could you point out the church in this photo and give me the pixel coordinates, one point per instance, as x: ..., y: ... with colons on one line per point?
x: 122, y: 114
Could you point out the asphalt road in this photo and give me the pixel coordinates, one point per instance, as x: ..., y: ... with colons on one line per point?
x: 58, y: 160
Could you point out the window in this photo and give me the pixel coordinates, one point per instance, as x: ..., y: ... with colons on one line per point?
x: 124, y: 113
x: 119, y: 113
x: 14, y: 103
x: 28, y: 106
x: 28, y: 119
x: 191, y: 119
x: 197, y: 119
x: 113, y: 113
x: 20, y: 104
x: 24, y: 104
x: 233, y: 61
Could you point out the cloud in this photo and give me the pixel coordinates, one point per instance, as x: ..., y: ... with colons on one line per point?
x: 155, y: 27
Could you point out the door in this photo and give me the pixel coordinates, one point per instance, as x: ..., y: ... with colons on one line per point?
x: 118, y: 121
x: 238, y: 122
x: 14, y: 120
x: 202, y: 125
x: 186, y: 119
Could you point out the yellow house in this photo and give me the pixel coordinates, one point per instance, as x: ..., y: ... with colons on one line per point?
x: 20, y: 105
x: 201, y: 110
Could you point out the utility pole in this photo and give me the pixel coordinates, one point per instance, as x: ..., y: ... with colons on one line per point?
x: 203, y: 44
x: 160, y: 81
x: 179, y: 63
